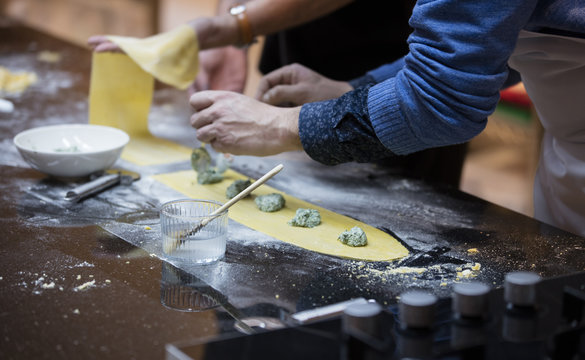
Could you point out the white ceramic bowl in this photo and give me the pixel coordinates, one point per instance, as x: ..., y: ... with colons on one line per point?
x: 71, y: 150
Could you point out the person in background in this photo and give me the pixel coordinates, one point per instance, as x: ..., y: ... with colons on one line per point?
x: 359, y: 35
x: 440, y: 93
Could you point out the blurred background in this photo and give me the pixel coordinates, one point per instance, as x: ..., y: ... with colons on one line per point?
x: 501, y: 161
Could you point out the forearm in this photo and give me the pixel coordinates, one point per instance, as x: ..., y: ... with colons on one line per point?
x: 265, y: 17
x: 269, y: 16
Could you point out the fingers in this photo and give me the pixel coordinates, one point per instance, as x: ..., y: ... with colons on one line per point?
x: 206, y: 134
x: 282, y: 76
x: 204, y: 114
x: 100, y: 43
x: 284, y: 95
x: 202, y: 100
x: 108, y: 47
x: 95, y: 40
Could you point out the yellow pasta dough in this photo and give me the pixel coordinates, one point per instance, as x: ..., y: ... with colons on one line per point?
x: 322, y: 239
x: 171, y: 57
x: 122, y: 87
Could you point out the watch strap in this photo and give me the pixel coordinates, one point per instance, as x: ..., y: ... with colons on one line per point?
x: 246, y: 35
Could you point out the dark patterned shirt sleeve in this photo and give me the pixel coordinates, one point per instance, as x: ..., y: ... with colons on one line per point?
x: 339, y: 130
x: 362, y: 81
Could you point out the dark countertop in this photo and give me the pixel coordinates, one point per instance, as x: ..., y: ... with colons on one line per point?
x: 50, y: 248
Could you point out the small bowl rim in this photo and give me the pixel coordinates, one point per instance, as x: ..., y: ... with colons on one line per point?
x: 23, y: 133
x: 184, y: 200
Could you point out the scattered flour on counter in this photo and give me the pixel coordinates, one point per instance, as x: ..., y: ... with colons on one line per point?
x: 83, y: 264
x: 420, y: 276
x: 40, y: 284
x: 468, y: 271
x: 85, y: 286
x: 51, y: 285
x: 407, y: 270
x: 49, y: 56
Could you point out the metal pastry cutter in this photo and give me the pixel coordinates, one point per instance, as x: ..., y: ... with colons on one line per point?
x: 106, y: 180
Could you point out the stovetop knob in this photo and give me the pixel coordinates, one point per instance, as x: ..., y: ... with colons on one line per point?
x: 417, y: 309
x: 363, y: 317
x: 470, y: 300
x: 520, y: 288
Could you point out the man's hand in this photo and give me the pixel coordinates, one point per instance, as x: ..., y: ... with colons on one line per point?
x: 296, y: 85
x: 237, y: 124
x: 221, y: 69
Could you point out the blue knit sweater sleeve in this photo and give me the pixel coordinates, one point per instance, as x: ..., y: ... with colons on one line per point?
x: 442, y: 92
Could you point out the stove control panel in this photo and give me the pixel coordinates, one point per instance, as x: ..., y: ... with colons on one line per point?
x: 528, y: 318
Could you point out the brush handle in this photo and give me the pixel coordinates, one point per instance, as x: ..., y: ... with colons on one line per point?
x: 216, y: 213
x: 244, y: 193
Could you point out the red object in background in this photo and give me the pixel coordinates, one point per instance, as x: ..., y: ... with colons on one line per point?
x: 516, y: 95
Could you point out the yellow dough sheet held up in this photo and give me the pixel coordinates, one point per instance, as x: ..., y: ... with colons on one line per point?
x: 122, y: 87
x: 171, y: 57
x: 322, y: 239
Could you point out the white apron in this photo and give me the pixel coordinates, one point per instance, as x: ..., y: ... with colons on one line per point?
x: 553, y: 72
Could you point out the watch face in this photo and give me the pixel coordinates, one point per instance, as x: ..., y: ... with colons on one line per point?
x: 238, y: 9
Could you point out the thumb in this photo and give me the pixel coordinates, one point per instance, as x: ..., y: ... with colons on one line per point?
x: 284, y: 95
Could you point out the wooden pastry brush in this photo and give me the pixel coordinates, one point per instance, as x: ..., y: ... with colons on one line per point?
x: 180, y: 240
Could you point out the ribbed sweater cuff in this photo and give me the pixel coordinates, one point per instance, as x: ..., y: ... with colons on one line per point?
x: 388, y: 121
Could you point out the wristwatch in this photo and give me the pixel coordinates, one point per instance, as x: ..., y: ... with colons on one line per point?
x: 244, y: 28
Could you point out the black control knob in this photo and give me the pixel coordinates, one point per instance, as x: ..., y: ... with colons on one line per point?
x: 417, y: 309
x: 520, y: 322
x: 470, y: 300
x: 520, y: 288
x: 363, y: 317
x: 361, y: 328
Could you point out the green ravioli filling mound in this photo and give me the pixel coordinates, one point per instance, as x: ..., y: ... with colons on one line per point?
x: 209, y: 176
x: 270, y: 202
x: 201, y: 163
x: 354, y: 237
x: 237, y: 187
x: 306, y: 218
